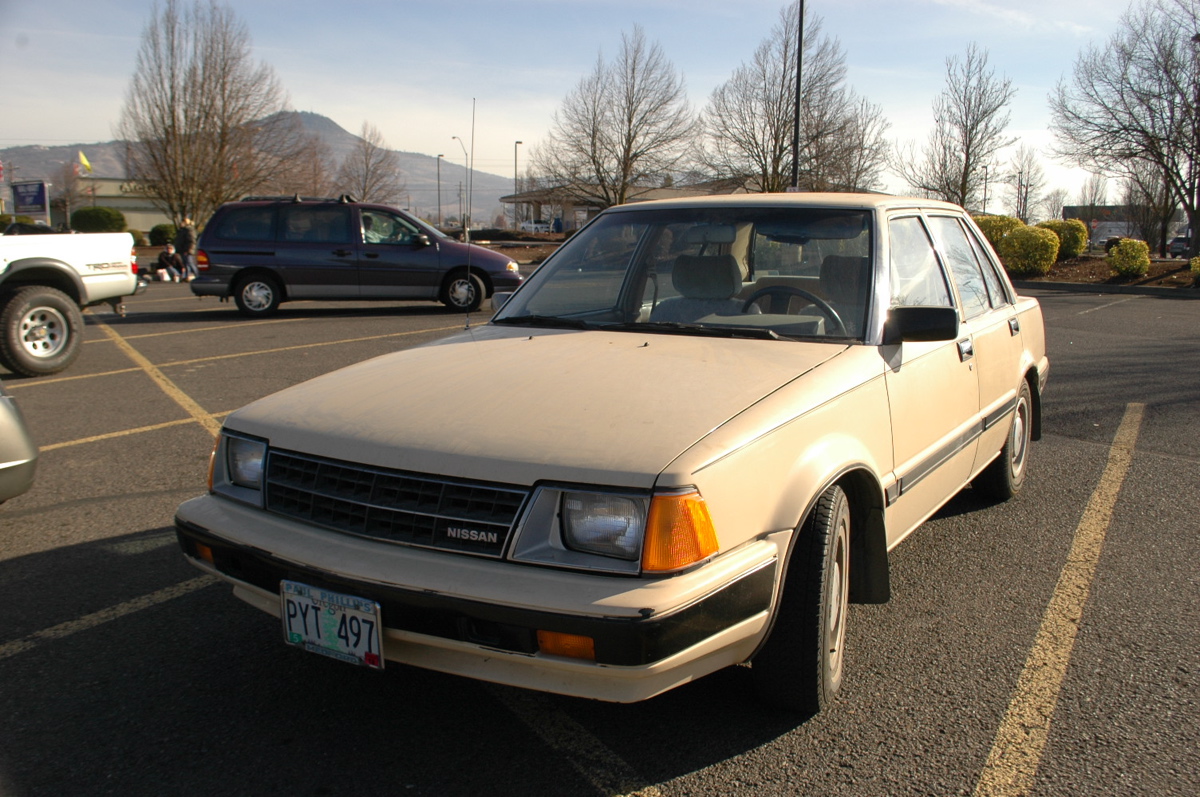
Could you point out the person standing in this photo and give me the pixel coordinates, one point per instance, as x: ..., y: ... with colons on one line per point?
x: 185, y: 245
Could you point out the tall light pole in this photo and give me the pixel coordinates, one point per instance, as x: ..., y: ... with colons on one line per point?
x: 466, y: 217
x: 796, y: 113
x: 516, y: 186
x: 439, y: 178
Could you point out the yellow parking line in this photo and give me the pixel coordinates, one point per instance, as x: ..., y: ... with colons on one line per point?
x: 603, y: 768
x: 9, y: 649
x: 56, y: 380
x: 125, y: 433
x: 306, y: 346
x: 195, y: 330
x: 166, y: 385
x: 1022, y: 736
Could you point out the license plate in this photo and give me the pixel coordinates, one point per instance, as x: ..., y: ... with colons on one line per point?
x: 343, y: 627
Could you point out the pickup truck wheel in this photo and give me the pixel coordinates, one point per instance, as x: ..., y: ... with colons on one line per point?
x: 257, y: 296
x: 800, y: 666
x: 41, y: 329
x: 1002, y: 479
x: 463, y: 292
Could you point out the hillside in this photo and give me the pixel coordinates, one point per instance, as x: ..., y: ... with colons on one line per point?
x: 33, y: 162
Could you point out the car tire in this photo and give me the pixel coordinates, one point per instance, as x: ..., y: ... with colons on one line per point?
x: 462, y: 292
x: 41, y: 331
x: 800, y: 666
x: 1002, y: 479
x: 257, y: 296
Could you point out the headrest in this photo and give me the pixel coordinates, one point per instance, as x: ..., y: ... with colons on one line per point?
x: 844, y: 279
x: 706, y: 276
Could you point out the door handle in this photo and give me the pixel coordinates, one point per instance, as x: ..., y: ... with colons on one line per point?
x: 1014, y: 325
x: 343, y: 252
x: 371, y: 254
x: 966, y: 349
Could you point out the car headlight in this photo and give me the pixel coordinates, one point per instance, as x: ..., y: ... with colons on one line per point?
x: 609, y: 525
x: 244, y: 461
x: 513, y: 267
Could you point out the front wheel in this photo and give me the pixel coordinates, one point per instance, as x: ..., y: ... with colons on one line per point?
x: 1002, y: 479
x: 463, y: 292
x: 800, y: 666
x: 257, y: 296
x: 41, y: 333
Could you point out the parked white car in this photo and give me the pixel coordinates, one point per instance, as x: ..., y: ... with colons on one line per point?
x: 686, y: 442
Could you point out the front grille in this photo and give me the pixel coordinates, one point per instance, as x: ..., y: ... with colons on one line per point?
x: 399, y: 507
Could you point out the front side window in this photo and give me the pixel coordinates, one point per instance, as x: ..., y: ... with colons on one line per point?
x: 381, y: 227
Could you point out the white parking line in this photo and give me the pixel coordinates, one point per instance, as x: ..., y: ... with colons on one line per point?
x: 9, y: 649
x: 1017, y: 749
x: 603, y: 768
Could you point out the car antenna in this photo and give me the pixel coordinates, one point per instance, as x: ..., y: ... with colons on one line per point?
x: 467, y: 222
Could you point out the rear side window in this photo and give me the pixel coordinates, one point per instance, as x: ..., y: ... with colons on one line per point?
x: 917, y: 279
x: 961, y: 258
x: 321, y: 224
x: 247, y: 224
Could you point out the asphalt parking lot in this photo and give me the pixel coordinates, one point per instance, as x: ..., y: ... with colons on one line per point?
x: 1047, y: 646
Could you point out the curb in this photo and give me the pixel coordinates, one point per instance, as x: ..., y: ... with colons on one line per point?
x: 1189, y: 292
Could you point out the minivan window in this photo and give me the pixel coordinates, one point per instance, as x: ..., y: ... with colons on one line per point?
x: 247, y: 224
x: 324, y: 224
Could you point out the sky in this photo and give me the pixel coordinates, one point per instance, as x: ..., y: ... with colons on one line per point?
x: 494, y: 73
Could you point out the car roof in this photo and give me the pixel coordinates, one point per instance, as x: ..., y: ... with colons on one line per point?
x: 799, y: 199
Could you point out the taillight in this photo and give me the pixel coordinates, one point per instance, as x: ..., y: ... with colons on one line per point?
x: 133, y: 260
x: 201, y: 260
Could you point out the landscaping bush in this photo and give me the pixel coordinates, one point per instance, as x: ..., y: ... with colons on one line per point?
x: 139, y: 238
x: 996, y: 227
x: 98, y: 219
x: 1072, y: 236
x: 162, y: 234
x: 1130, y: 258
x: 1194, y: 265
x: 1028, y: 251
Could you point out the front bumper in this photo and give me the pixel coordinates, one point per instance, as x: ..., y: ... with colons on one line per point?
x: 480, y: 618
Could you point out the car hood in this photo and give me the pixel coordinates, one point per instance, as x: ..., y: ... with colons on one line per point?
x: 519, y: 406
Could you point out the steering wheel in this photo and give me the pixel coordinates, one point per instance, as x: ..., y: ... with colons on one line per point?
x: 787, y: 290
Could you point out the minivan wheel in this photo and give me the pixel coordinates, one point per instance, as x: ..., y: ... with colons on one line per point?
x: 463, y: 292
x: 800, y: 666
x: 257, y: 296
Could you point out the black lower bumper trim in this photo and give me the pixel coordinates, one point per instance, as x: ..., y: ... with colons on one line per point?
x: 618, y: 641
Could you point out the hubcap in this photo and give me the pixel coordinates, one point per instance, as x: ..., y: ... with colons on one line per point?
x: 1020, y: 437
x: 44, y: 332
x: 257, y: 295
x: 835, y: 623
x: 462, y: 292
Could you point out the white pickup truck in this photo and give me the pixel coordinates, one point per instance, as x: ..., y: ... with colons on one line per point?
x: 45, y: 280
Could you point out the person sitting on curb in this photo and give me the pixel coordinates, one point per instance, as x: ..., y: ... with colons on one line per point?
x: 169, y: 265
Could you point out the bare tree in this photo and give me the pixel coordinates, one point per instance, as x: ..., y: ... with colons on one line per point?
x: 68, y: 194
x: 1151, y: 208
x: 622, y: 130
x: 202, y: 123
x: 970, y: 116
x: 1026, y: 179
x: 750, y: 118
x: 1053, y: 203
x: 1137, y: 99
x: 310, y: 173
x: 371, y: 172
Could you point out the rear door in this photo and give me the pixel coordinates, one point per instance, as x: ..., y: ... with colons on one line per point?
x: 316, y: 251
x: 396, y: 259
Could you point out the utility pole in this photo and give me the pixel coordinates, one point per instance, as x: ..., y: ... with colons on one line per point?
x: 439, y: 181
x: 516, y: 186
x: 796, y: 115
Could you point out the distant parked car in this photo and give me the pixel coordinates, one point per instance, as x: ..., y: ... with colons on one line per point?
x: 537, y: 225
x: 1179, y: 246
x: 18, y: 454
x: 267, y: 250
x: 26, y: 228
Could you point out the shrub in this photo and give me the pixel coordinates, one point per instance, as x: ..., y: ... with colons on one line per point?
x: 162, y: 234
x: 1028, y: 251
x: 98, y: 219
x: 139, y: 238
x: 1072, y: 236
x: 1194, y: 265
x: 1130, y: 258
x: 996, y: 227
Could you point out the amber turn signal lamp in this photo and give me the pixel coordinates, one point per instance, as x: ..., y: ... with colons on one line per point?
x: 679, y: 532
x: 205, y: 553
x: 573, y: 646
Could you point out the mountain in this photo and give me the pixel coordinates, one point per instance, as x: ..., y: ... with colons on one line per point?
x: 36, y: 162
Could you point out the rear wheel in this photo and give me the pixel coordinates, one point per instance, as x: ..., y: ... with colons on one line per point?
x: 41, y: 329
x: 462, y: 292
x: 257, y: 296
x: 800, y: 666
x: 1002, y: 479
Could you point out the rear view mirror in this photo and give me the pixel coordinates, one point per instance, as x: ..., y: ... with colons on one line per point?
x: 920, y: 324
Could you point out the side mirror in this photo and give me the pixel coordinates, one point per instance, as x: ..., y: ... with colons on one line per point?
x: 499, y: 299
x: 920, y: 324
x: 421, y: 239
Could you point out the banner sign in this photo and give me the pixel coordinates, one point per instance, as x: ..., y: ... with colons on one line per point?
x: 30, y: 198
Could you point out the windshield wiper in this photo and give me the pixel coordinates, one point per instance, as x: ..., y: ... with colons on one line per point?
x: 678, y: 328
x: 551, y: 321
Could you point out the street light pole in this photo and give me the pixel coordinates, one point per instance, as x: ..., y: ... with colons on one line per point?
x: 439, y: 179
x: 516, y: 187
x: 466, y: 217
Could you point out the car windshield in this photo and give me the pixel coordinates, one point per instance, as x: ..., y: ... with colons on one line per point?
x: 746, y: 271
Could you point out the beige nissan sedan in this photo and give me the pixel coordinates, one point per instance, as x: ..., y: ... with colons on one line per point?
x: 686, y: 442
